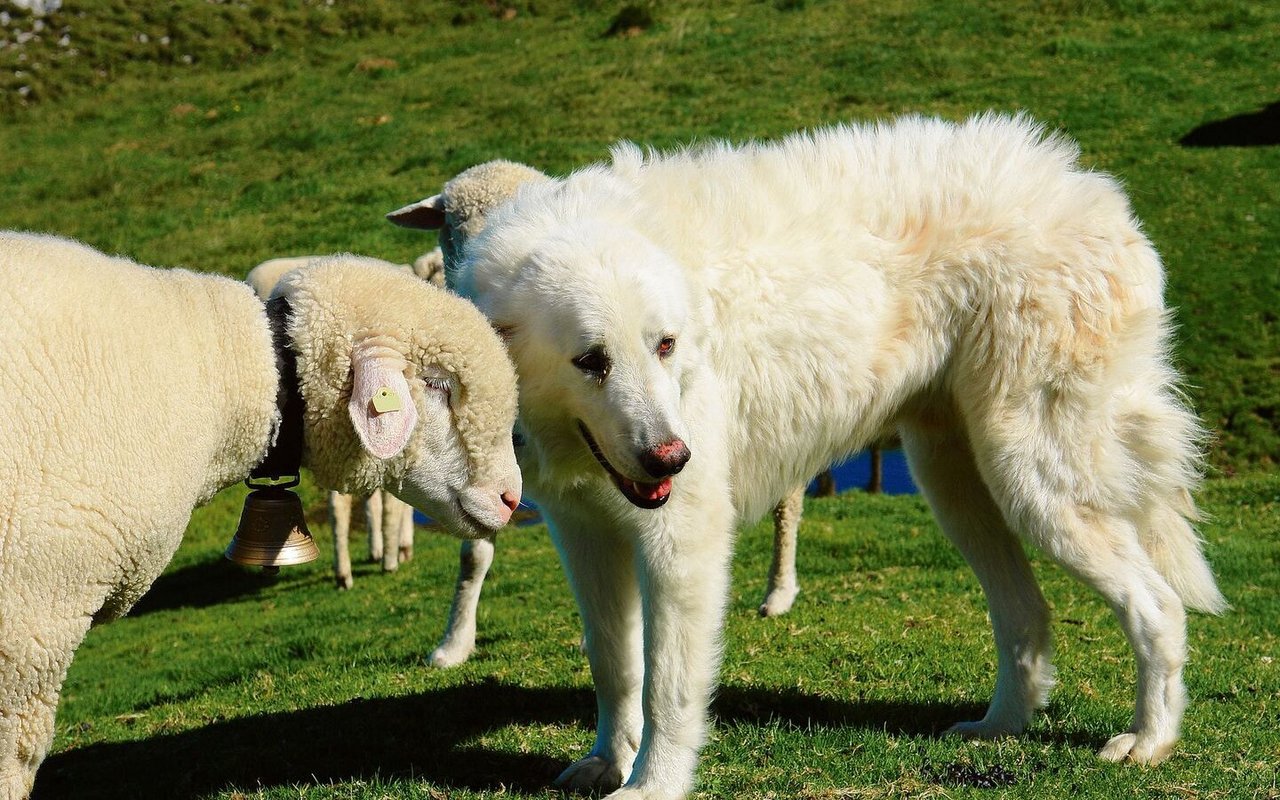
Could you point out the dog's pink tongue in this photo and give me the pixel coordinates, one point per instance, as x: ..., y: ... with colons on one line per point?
x: 650, y: 491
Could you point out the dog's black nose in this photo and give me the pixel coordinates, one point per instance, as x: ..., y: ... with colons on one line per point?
x: 665, y: 459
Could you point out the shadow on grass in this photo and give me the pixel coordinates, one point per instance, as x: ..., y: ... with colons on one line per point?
x: 427, y: 736
x: 1255, y: 129
x: 199, y: 585
x: 758, y: 706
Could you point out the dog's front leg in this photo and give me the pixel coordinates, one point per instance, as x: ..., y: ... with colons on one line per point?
x: 684, y: 578
x: 601, y: 568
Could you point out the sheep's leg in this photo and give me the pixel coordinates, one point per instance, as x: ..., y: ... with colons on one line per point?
x: 392, y: 511
x: 783, y: 585
x: 373, y: 522
x: 340, y: 515
x: 460, y: 635
x: 31, y: 674
x: 406, y: 532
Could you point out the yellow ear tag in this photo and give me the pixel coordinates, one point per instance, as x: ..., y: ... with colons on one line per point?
x: 385, y: 399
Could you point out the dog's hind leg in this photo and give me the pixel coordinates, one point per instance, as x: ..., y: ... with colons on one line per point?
x: 783, y: 585
x: 601, y: 569
x: 1047, y: 478
x: 943, y: 466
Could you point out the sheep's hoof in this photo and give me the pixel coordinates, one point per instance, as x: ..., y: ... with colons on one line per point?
x: 446, y: 656
x: 406, y: 554
x: 344, y: 581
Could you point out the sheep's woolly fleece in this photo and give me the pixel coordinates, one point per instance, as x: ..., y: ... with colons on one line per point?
x: 114, y: 426
x: 486, y: 379
x: 263, y: 278
x: 99, y: 479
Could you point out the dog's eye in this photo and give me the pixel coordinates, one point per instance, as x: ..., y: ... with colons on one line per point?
x: 594, y: 362
x: 666, y: 346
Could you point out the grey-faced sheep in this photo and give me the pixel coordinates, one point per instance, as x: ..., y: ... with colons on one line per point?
x: 130, y: 395
x: 459, y: 212
x: 388, y: 520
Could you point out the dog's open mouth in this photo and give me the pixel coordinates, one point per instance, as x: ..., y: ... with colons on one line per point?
x: 643, y: 495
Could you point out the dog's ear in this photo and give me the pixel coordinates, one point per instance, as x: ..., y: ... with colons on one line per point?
x: 381, y: 408
x: 427, y: 215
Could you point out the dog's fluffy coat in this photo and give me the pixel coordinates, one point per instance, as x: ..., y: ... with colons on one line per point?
x: 967, y: 284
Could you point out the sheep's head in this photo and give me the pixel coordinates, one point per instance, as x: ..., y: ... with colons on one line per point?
x: 459, y: 211
x: 406, y: 388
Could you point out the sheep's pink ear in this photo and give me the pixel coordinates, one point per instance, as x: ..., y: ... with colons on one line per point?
x: 425, y: 215
x: 381, y: 408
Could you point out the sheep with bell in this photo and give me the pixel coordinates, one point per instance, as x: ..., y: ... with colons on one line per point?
x: 130, y: 395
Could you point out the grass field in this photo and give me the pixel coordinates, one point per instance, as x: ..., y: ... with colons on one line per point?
x: 215, y: 135
x: 226, y: 684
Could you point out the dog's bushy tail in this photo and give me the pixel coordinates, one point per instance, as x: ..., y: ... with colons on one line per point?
x: 1165, y: 443
x: 1176, y: 550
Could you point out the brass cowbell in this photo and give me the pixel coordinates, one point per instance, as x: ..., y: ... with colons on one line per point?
x: 273, y: 531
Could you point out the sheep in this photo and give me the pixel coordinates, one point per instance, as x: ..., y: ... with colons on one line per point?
x: 119, y: 418
x: 389, y: 521
x: 458, y: 213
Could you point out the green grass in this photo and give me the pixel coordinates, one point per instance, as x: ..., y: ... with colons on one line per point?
x: 227, y: 684
x: 293, y: 126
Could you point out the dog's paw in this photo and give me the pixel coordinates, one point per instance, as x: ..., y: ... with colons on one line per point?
x: 1134, y: 747
x: 981, y: 729
x: 779, y: 602
x: 594, y: 774
x: 629, y: 793
x: 644, y: 793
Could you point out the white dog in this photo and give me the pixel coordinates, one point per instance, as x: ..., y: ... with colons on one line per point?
x: 698, y: 332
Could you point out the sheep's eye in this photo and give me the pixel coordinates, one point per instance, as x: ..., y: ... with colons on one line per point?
x: 517, y: 439
x: 594, y: 362
x: 666, y: 346
x: 440, y: 385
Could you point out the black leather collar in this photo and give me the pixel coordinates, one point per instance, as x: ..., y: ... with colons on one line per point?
x: 284, y: 457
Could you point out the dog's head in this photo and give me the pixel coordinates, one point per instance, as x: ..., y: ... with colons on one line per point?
x: 597, y: 319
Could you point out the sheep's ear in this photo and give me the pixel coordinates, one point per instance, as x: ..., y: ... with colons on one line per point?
x: 381, y: 408
x: 425, y: 215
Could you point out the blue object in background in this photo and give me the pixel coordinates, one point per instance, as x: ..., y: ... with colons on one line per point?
x: 854, y: 473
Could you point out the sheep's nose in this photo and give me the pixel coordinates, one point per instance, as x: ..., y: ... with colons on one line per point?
x: 509, y: 502
x: 666, y: 459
